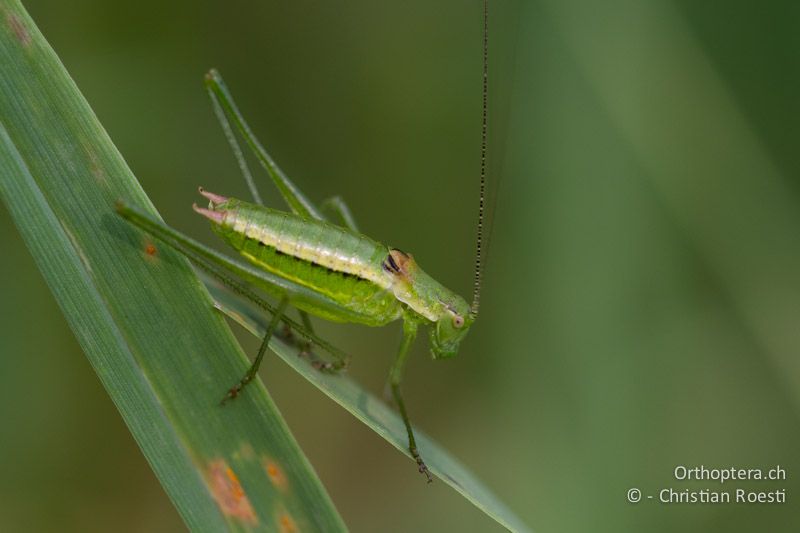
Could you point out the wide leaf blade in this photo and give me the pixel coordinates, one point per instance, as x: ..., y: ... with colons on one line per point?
x: 142, y: 317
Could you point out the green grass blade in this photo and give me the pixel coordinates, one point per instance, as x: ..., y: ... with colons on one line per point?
x: 143, y: 319
x: 370, y: 410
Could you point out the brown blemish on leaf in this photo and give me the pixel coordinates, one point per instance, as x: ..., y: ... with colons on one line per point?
x: 150, y: 250
x: 286, y: 524
x: 228, y: 492
x: 18, y: 29
x: 275, y: 474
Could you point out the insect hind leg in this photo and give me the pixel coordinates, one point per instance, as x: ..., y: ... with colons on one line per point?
x: 225, y: 124
x: 227, y: 112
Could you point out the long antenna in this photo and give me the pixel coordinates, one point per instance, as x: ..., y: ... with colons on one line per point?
x: 476, y: 295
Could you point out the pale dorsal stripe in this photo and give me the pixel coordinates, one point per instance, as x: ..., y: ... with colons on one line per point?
x: 289, y: 244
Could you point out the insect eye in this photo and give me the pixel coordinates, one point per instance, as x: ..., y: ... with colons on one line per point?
x: 458, y: 321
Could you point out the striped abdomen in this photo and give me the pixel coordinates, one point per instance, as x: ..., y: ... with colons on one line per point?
x: 328, y: 259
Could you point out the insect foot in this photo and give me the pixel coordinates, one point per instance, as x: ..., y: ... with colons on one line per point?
x: 234, y: 391
x: 230, y: 395
x: 423, y: 468
x: 305, y: 351
x: 322, y: 365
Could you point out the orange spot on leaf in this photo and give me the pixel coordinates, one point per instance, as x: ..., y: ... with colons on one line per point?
x: 286, y: 524
x: 228, y: 492
x: 275, y: 474
x: 150, y: 249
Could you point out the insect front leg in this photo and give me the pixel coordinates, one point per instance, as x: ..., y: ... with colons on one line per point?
x: 253, y: 370
x: 395, y: 379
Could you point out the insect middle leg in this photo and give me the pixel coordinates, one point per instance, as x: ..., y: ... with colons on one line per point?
x: 305, y: 346
x: 253, y: 370
x: 395, y: 379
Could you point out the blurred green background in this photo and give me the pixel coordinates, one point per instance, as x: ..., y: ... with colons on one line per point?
x: 642, y: 294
